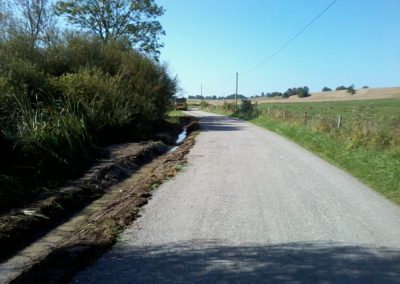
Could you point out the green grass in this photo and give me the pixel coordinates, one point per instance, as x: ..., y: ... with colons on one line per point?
x: 176, y: 113
x: 385, y: 110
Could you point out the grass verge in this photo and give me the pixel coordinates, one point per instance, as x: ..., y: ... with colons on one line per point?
x: 176, y: 113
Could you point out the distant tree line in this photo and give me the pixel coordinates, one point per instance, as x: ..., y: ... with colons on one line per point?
x: 350, y: 89
x: 230, y: 97
x: 301, y: 92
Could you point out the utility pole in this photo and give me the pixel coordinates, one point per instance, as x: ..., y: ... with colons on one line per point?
x: 237, y: 78
x: 201, y: 90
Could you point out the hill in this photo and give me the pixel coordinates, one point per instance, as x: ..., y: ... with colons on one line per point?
x: 361, y: 94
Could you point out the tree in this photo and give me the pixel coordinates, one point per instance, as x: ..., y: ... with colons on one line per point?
x: 351, y: 90
x: 132, y: 20
x: 326, y: 89
x: 5, y: 18
x: 303, y: 92
x: 33, y: 21
x: 37, y: 18
x: 341, y: 88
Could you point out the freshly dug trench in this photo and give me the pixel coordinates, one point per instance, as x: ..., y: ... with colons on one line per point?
x: 22, y: 226
x: 101, y: 230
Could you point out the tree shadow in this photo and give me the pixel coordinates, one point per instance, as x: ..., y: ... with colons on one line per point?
x: 214, y: 262
x: 218, y: 123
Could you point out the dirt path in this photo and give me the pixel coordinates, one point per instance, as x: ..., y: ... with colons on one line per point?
x: 252, y: 206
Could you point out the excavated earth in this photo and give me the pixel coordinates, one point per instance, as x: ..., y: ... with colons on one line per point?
x: 112, y: 191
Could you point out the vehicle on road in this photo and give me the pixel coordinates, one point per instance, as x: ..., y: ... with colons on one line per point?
x: 180, y: 104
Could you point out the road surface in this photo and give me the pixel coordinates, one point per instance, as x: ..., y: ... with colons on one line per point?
x: 252, y: 206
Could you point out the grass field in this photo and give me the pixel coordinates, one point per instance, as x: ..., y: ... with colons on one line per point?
x: 385, y: 112
x: 367, y: 143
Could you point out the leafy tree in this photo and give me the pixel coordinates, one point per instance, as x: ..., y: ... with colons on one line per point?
x: 351, y: 90
x: 303, y: 92
x: 326, y: 89
x: 341, y: 88
x: 132, y: 20
x: 232, y: 97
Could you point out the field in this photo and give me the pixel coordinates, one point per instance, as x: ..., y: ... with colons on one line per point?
x: 332, y: 96
x: 361, y: 94
x: 385, y: 111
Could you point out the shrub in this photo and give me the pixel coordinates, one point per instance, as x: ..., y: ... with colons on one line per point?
x: 229, y: 106
x: 247, y: 110
x: 21, y: 76
x: 97, y: 95
x: 57, y: 101
x: 204, y: 104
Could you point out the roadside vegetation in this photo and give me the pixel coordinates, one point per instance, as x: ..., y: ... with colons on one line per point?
x: 362, y: 137
x: 63, y: 93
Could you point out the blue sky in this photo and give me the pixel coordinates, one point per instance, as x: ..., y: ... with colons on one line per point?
x: 208, y: 41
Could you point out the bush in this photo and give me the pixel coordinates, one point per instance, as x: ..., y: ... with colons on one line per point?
x: 247, y: 110
x: 229, y: 106
x: 56, y: 101
x: 204, y: 104
x: 98, y: 97
x: 21, y: 76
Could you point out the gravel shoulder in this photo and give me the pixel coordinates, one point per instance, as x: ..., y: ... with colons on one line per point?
x: 252, y: 206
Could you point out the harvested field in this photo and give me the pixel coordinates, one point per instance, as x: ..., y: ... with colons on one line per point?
x: 361, y: 94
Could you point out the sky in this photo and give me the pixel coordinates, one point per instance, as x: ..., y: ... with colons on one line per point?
x: 208, y: 41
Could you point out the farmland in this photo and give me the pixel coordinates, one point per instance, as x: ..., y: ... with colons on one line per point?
x: 384, y: 112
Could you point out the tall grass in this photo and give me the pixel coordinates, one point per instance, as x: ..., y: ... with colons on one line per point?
x: 51, y: 135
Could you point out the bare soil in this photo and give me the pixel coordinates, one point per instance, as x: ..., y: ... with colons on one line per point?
x: 49, y: 209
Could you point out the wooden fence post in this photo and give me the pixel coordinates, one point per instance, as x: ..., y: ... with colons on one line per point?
x: 339, y: 123
x: 305, y: 117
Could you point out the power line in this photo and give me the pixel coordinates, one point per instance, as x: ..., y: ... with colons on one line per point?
x: 283, y: 46
x: 291, y: 39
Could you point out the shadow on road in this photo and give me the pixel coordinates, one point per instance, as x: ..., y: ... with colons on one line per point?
x: 210, y: 262
x: 218, y: 123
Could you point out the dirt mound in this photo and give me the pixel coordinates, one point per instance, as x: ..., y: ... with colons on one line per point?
x: 23, y: 225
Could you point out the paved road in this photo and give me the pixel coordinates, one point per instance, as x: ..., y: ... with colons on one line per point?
x: 250, y: 207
